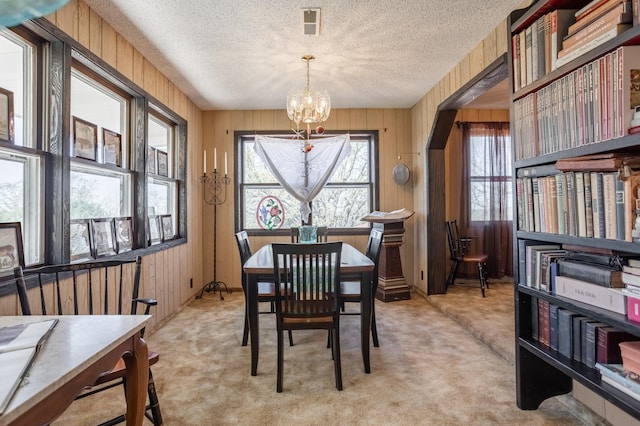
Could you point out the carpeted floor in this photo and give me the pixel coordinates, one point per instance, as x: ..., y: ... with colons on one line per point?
x: 429, y: 369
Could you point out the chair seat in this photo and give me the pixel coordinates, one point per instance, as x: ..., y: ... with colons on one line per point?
x: 328, y: 319
x: 475, y: 257
x: 120, y: 369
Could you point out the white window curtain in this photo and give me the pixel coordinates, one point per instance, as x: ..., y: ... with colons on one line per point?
x: 303, y: 174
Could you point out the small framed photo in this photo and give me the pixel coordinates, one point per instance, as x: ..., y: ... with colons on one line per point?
x: 112, y: 142
x: 154, y: 230
x: 124, y: 234
x: 6, y: 115
x: 11, y: 249
x: 85, y: 139
x: 163, y: 159
x: 151, y: 160
x: 167, y: 227
x: 103, y: 240
x: 80, y: 240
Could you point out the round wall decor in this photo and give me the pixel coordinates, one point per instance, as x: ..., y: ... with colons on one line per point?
x: 401, y: 174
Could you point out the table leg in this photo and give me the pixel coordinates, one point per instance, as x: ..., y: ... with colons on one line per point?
x: 365, y: 317
x: 137, y: 362
x: 254, y: 332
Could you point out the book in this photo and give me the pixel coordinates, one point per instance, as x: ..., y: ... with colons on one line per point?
x: 607, y: 162
x: 610, y: 216
x: 543, y: 322
x: 597, y: 204
x: 580, y: 205
x: 580, y: 31
x: 579, y: 341
x: 606, y: 276
x: 547, y: 260
x: 566, y: 56
x: 588, y: 207
x: 628, y: 92
x: 631, y: 184
x: 388, y: 217
x: 609, y: 339
x: 532, y: 261
x: 594, y: 13
x: 534, y: 318
x: 591, y: 342
x: 553, y: 326
x: 611, y: 299
x: 565, y: 332
x: 18, y: 347
x: 615, y: 375
x: 560, y: 20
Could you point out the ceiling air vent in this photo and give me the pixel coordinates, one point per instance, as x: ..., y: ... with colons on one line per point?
x: 311, y: 21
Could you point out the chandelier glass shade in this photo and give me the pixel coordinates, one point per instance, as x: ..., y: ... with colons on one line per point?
x: 309, y: 106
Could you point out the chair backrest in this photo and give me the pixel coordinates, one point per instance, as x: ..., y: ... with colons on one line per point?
x: 322, y: 234
x: 452, y: 239
x: 309, y: 276
x: 108, y: 287
x: 374, y: 247
x: 243, y: 246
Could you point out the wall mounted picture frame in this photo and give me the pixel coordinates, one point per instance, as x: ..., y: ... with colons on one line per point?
x: 6, y: 116
x: 155, y: 234
x: 124, y: 234
x: 11, y: 248
x: 85, y: 139
x: 103, y: 237
x: 166, y: 222
x: 163, y: 160
x: 80, y: 241
x: 151, y: 160
x: 112, y: 143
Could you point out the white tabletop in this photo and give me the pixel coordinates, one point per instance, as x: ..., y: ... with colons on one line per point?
x: 76, y: 343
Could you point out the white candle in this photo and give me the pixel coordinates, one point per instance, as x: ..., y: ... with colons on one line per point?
x: 225, y: 163
x: 215, y: 160
x: 205, y: 161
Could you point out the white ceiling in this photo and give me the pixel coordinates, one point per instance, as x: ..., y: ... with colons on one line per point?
x: 245, y: 54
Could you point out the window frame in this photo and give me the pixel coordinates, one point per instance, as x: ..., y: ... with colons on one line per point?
x: 240, y: 137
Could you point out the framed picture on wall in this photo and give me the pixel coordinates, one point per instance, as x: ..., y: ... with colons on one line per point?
x: 163, y: 159
x: 151, y: 160
x: 85, y: 139
x: 80, y: 240
x: 103, y: 240
x: 166, y: 222
x: 6, y: 115
x: 155, y: 235
x: 112, y: 142
x: 124, y: 234
x: 11, y: 248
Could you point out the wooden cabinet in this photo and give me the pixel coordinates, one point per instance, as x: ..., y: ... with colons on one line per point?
x: 543, y: 133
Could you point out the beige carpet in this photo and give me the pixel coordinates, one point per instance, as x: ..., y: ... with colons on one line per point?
x: 429, y: 370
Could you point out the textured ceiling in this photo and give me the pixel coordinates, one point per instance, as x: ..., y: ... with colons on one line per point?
x: 245, y: 54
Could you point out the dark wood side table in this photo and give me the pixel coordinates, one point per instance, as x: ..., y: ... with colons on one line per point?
x: 391, y: 282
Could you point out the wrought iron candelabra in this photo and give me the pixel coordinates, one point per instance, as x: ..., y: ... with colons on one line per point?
x: 214, y: 193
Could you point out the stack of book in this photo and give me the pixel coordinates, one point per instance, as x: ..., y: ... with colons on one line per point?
x: 618, y: 377
x: 596, y: 23
x: 631, y: 278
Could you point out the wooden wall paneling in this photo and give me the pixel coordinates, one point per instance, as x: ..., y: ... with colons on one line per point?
x: 9, y: 304
x: 95, y: 33
x: 124, y: 57
x: 67, y: 18
x: 109, y: 45
x: 84, y: 24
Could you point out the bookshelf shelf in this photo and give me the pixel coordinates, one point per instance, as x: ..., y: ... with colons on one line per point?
x: 543, y: 372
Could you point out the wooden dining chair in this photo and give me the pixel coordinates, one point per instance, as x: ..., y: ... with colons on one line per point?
x: 322, y: 234
x: 266, y: 286
x: 459, y: 252
x: 107, y: 287
x: 350, y: 290
x: 309, y: 275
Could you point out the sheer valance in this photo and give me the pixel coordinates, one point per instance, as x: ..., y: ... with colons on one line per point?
x: 303, y: 174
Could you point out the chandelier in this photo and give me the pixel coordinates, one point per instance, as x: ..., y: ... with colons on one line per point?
x: 308, y: 106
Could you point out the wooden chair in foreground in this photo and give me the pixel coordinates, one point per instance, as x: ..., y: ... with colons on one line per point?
x: 350, y: 290
x: 322, y: 234
x: 459, y: 252
x: 309, y: 275
x: 108, y: 287
x: 266, y: 286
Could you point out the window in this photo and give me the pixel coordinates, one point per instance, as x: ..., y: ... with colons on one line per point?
x: 490, y: 189
x: 348, y: 196
x: 20, y: 162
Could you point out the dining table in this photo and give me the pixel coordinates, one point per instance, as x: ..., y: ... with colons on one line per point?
x: 354, y: 265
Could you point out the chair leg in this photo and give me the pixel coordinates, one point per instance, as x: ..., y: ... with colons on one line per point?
x: 335, y: 350
x: 245, y: 332
x: 374, y: 328
x: 451, y: 278
x: 290, y: 338
x: 154, y: 404
x: 280, y: 359
x: 481, y: 275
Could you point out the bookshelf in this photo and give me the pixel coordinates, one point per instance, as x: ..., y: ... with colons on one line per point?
x: 542, y: 372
